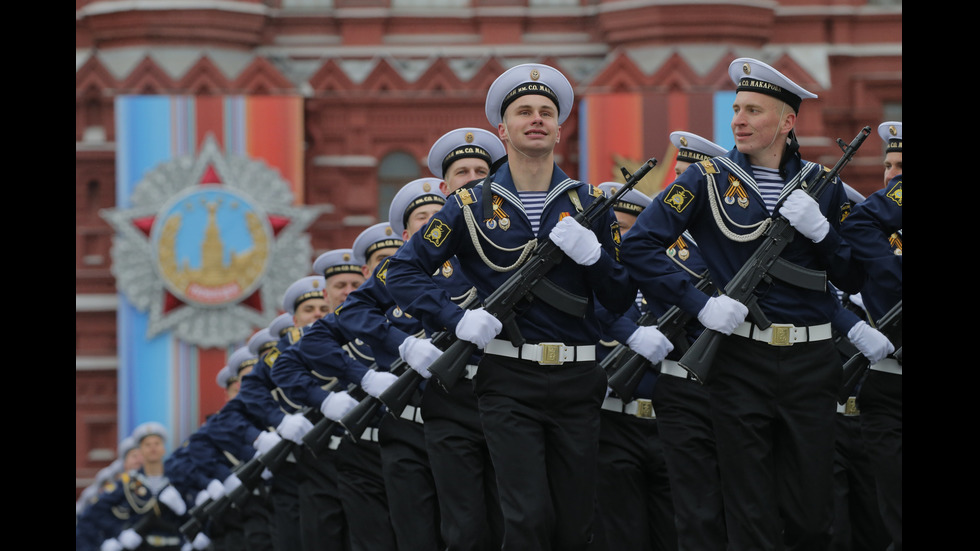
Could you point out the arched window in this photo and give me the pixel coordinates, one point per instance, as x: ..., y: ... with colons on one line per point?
x: 396, y: 170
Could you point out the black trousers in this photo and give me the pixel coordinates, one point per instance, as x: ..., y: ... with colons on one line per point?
x: 323, y: 526
x: 542, y: 428
x: 466, y: 482
x: 857, y: 521
x: 362, y: 493
x: 773, y: 409
x: 684, y: 421
x: 880, y: 400
x: 634, y: 492
x: 412, y: 502
x: 284, y: 495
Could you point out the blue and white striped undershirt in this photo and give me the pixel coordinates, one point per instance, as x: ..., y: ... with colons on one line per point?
x: 533, y: 202
x: 770, y: 185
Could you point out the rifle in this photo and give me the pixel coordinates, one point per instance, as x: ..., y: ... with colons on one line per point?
x: 765, y: 264
x: 627, y: 367
x: 526, y: 280
x: 397, y: 396
x: 250, y: 475
x: 854, y: 369
x: 361, y: 415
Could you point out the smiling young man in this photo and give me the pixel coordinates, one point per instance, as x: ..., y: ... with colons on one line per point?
x: 540, y: 412
x: 773, y: 399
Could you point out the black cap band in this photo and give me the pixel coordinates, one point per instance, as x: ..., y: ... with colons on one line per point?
x: 307, y: 296
x: 383, y: 244
x: 463, y: 152
x: 894, y: 146
x: 628, y: 208
x: 427, y: 199
x: 749, y: 84
x: 691, y: 156
x: 341, y: 269
x: 528, y: 89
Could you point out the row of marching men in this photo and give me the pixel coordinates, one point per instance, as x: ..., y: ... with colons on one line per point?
x: 339, y: 437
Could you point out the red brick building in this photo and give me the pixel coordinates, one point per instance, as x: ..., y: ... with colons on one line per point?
x: 383, y: 79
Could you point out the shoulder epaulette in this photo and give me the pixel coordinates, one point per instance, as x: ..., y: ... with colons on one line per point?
x: 464, y: 196
x: 707, y: 167
x: 596, y: 192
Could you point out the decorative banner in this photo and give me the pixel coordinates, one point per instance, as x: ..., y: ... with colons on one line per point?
x: 626, y: 129
x: 209, y: 234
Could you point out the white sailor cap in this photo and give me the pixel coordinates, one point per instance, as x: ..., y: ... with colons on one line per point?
x: 261, y: 341
x: 424, y: 191
x: 753, y: 75
x: 127, y: 445
x: 240, y: 359
x: 692, y: 148
x: 632, y: 202
x: 225, y: 377
x: 150, y: 428
x: 529, y: 79
x: 303, y: 289
x: 337, y: 261
x: 280, y: 325
x: 891, y: 134
x: 463, y: 143
x: 378, y: 236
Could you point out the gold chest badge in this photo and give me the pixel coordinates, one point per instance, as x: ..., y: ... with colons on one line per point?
x: 736, y: 193
x: 447, y: 269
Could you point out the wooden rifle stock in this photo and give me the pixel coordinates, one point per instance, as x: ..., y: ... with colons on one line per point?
x: 448, y: 368
x: 761, y: 265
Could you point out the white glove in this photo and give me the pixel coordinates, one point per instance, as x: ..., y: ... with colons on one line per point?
x: 111, y: 544
x: 723, y: 314
x: 856, y: 299
x: 576, y: 241
x: 478, y: 327
x: 803, y: 213
x: 201, y: 497
x: 187, y: 546
x: 419, y: 354
x: 216, y: 489
x: 129, y: 539
x: 231, y: 483
x: 375, y: 382
x: 294, y: 427
x: 265, y: 441
x: 171, y: 498
x: 201, y: 541
x: 337, y: 404
x: 650, y: 343
x: 870, y: 342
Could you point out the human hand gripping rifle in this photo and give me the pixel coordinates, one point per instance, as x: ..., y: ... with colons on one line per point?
x: 626, y: 368
x: 400, y: 393
x: 890, y: 325
x: 527, y: 280
x: 250, y: 475
x: 765, y: 264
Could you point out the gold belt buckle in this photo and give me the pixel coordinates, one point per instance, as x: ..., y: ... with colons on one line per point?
x: 851, y: 407
x: 644, y: 408
x: 551, y: 353
x: 780, y: 334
